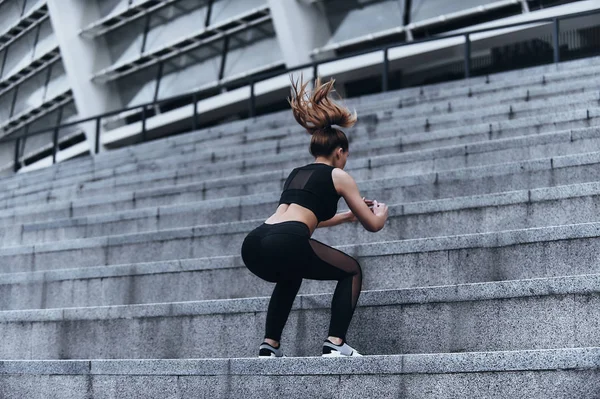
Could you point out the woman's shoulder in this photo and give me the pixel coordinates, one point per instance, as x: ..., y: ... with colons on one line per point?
x: 341, y: 178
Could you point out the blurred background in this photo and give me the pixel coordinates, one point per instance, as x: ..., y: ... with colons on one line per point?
x: 155, y: 68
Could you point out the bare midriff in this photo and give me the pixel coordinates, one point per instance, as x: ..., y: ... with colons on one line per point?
x: 294, y: 212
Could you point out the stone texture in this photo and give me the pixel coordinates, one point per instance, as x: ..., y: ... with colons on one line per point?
x: 483, y: 284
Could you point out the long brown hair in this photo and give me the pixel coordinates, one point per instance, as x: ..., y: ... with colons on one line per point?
x: 317, y: 112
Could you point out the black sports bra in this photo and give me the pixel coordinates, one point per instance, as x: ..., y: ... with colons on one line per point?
x: 311, y: 186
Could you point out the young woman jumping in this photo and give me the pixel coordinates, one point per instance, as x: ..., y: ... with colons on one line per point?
x: 281, y: 250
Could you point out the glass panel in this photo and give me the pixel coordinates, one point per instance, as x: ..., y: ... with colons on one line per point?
x: 173, y: 23
x: 7, y: 156
x: 2, y: 55
x: 10, y: 12
x: 43, y: 141
x: 542, y: 4
x: 39, y: 145
x: 226, y: 9
x: 579, y: 37
x: 58, y: 83
x: 348, y: 24
x: 426, y: 9
x: 138, y: 88
x: 191, y: 70
x: 533, y: 46
x: 20, y: 53
x: 46, y: 40
x: 251, y: 49
x: 106, y: 7
x: 5, y: 104
x: 30, y: 93
x: 31, y: 4
x: 125, y: 43
x: 71, y: 135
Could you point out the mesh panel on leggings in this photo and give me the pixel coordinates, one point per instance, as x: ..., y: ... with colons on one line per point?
x: 342, y: 261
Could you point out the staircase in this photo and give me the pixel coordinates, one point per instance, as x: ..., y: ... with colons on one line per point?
x: 121, y: 276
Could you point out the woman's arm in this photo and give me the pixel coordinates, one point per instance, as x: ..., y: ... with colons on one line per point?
x: 339, y: 218
x: 343, y: 217
x: 372, y: 220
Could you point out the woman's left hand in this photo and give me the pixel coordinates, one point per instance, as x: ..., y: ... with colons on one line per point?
x: 349, y: 216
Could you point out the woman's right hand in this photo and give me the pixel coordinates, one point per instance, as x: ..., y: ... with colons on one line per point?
x: 380, y: 209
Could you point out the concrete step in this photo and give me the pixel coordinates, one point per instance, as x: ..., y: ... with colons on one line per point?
x: 527, y: 374
x: 223, y: 277
x: 187, y: 242
x: 373, y: 171
x: 547, y: 313
x: 560, y: 72
x: 290, y: 137
x: 558, y: 205
x: 419, y: 161
x: 198, y: 169
x: 297, y: 142
x: 273, y: 140
x: 161, y: 144
x: 292, y: 128
x: 578, y: 168
x: 292, y: 131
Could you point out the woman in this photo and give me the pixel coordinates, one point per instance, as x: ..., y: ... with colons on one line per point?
x: 281, y: 250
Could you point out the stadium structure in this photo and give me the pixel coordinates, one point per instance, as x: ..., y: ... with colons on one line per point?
x: 140, y: 140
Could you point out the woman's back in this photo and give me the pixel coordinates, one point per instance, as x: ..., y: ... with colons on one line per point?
x: 311, y: 186
x: 308, y: 196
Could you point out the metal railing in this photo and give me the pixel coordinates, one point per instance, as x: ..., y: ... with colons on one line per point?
x: 253, y: 80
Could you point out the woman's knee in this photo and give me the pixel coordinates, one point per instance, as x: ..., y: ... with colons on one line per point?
x: 357, y: 268
x: 353, y: 269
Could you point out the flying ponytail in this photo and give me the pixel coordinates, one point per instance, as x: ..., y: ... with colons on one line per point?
x: 317, y: 113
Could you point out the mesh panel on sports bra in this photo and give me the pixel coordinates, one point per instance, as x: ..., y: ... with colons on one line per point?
x: 300, y: 180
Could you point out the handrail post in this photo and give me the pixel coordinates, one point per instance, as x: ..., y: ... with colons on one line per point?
x: 97, y: 144
x: 17, y: 145
x: 144, y: 123
x: 315, y: 71
x: 467, y: 56
x: 54, y: 144
x: 555, y: 40
x: 195, y: 116
x: 252, y: 110
x: 386, y: 70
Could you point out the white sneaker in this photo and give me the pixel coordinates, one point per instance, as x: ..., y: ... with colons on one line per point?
x: 332, y: 350
x: 267, y: 350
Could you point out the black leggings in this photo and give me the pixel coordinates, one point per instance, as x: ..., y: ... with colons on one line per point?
x: 284, y: 253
